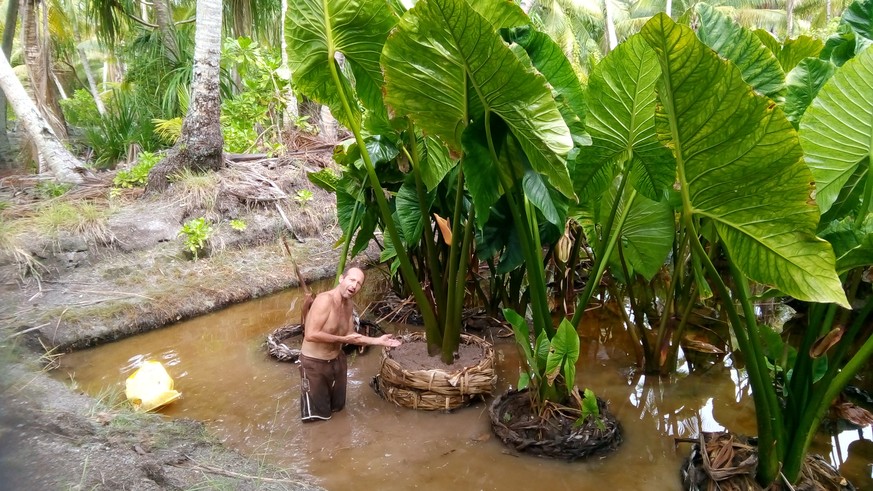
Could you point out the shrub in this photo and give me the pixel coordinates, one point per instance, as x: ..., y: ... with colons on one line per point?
x: 196, y: 232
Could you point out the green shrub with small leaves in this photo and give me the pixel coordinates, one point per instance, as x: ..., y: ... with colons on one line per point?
x: 139, y: 173
x: 196, y: 232
x: 303, y: 197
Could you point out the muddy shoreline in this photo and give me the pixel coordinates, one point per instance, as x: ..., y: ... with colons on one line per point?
x: 86, y: 293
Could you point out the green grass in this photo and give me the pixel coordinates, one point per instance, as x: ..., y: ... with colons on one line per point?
x: 197, y: 191
x: 12, y: 246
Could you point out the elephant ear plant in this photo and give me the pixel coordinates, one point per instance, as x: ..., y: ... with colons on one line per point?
x: 319, y: 35
x: 449, y: 70
x: 745, y: 195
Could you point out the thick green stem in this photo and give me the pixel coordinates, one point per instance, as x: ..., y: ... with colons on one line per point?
x: 772, y: 401
x: 433, y: 264
x: 821, y: 317
x: 605, y: 250
x: 826, y: 390
x: 341, y: 266
x: 451, y: 318
x: 452, y: 331
x: 867, y: 198
x: 768, y: 458
x: 434, y: 338
x: 536, y: 277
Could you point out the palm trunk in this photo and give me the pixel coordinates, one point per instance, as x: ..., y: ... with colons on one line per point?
x: 291, y: 112
x: 38, y: 60
x: 6, y: 159
x: 50, y: 149
x: 200, y: 144
x: 611, y: 37
x: 164, y: 19
x: 86, y: 67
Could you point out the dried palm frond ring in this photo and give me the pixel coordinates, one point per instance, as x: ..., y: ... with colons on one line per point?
x: 436, y: 389
x: 279, y: 350
x: 554, y: 433
x: 728, y: 462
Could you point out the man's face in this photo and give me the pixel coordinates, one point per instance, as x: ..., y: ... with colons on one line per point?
x: 351, y: 282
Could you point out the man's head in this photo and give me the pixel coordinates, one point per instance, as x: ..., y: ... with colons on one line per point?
x: 350, y: 282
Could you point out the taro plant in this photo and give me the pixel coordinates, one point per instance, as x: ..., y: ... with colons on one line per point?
x: 334, y: 54
x: 744, y: 197
x: 493, y: 104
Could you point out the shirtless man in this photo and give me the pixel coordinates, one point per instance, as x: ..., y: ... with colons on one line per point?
x: 329, y: 325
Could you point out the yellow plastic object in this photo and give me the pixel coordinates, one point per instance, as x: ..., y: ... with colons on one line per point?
x: 150, y: 387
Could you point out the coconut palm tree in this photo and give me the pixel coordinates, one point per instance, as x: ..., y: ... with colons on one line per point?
x: 200, y: 144
x: 38, y: 58
x: 51, y: 151
x: 8, y: 38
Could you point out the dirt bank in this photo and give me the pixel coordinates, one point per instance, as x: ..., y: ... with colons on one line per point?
x: 128, y: 272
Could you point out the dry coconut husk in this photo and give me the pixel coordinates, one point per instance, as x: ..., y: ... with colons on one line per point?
x: 728, y: 463
x: 436, y: 389
x: 553, y: 433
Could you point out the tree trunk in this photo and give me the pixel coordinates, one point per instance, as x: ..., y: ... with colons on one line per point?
x: 164, y: 19
x: 86, y: 67
x: 6, y: 159
x: 291, y: 111
x: 49, y: 148
x: 37, y: 57
x: 200, y: 144
x: 611, y: 37
x: 789, y: 18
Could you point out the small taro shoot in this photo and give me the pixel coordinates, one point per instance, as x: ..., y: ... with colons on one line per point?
x: 238, y: 224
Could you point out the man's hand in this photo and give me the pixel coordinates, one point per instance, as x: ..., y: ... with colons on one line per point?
x: 388, y: 340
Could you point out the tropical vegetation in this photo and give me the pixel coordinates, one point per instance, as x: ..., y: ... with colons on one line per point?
x: 709, y: 154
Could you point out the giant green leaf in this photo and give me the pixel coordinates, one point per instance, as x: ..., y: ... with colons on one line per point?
x: 317, y: 30
x: 437, y: 162
x: 758, y: 64
x: 647, y: 235
x: 793, y: 51
x: 548, y: 58
x: 444, y: 54
x: 740, y: 166
x: 859, y: 16
x: 411, y: 217
x: 837, y: 130
x: 803, y: 84
x: 859, y: 257
x: 622, y: 125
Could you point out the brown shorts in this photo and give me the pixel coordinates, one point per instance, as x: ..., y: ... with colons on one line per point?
x: 322, y: 387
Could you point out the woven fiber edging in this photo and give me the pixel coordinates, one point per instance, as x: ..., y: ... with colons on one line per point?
x: 556, y: 435
x: 280, y: 351
x: 436, y: 389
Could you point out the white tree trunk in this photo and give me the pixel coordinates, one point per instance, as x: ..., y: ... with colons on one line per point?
x: 56, y: 157
x: 92, y: 84
x: 204, y: 112
x: 86, y: 67
x: 611, y: 37
x: 291, y: 112
x: 164, y: 19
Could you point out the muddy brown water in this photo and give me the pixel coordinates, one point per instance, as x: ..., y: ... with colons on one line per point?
x: 251, y: 402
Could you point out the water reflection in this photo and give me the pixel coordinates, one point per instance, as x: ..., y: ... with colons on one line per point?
x: 251, y: 402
